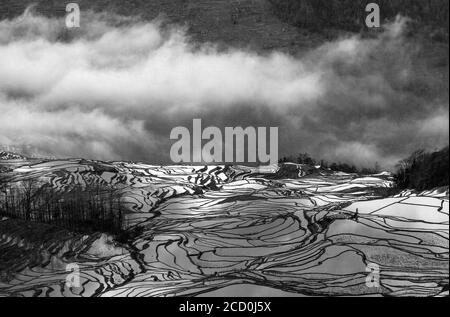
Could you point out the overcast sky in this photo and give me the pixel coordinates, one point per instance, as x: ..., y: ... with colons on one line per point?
x: 114, y: 90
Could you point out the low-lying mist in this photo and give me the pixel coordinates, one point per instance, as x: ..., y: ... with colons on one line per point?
x: 114, y: 88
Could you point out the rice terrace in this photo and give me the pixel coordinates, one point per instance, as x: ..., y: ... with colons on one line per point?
x: 259, y: 149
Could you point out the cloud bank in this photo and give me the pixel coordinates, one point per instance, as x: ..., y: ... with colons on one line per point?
x: 115, y: 88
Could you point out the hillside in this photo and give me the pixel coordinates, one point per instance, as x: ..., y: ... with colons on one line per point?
x: 424, y: 170
x: 261, y: 25
x: 192, y: 230
x: 238, y: 23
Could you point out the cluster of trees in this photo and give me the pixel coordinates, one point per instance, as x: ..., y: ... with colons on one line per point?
x: 92, y: 207
x: 423, y: 170
x: 350, y: 14
x: 305, y: 158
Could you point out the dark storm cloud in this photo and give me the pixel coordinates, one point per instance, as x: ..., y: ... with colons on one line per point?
x: 115, y: 88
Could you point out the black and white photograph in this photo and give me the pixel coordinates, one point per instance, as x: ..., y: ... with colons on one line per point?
x: 247, y: 150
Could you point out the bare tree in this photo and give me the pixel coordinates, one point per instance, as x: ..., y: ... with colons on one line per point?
x: 30, y: 190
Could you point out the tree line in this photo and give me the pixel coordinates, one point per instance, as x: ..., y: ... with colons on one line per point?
x: 305, y: 158
x: 87, y: 208
x: 423, y: 170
